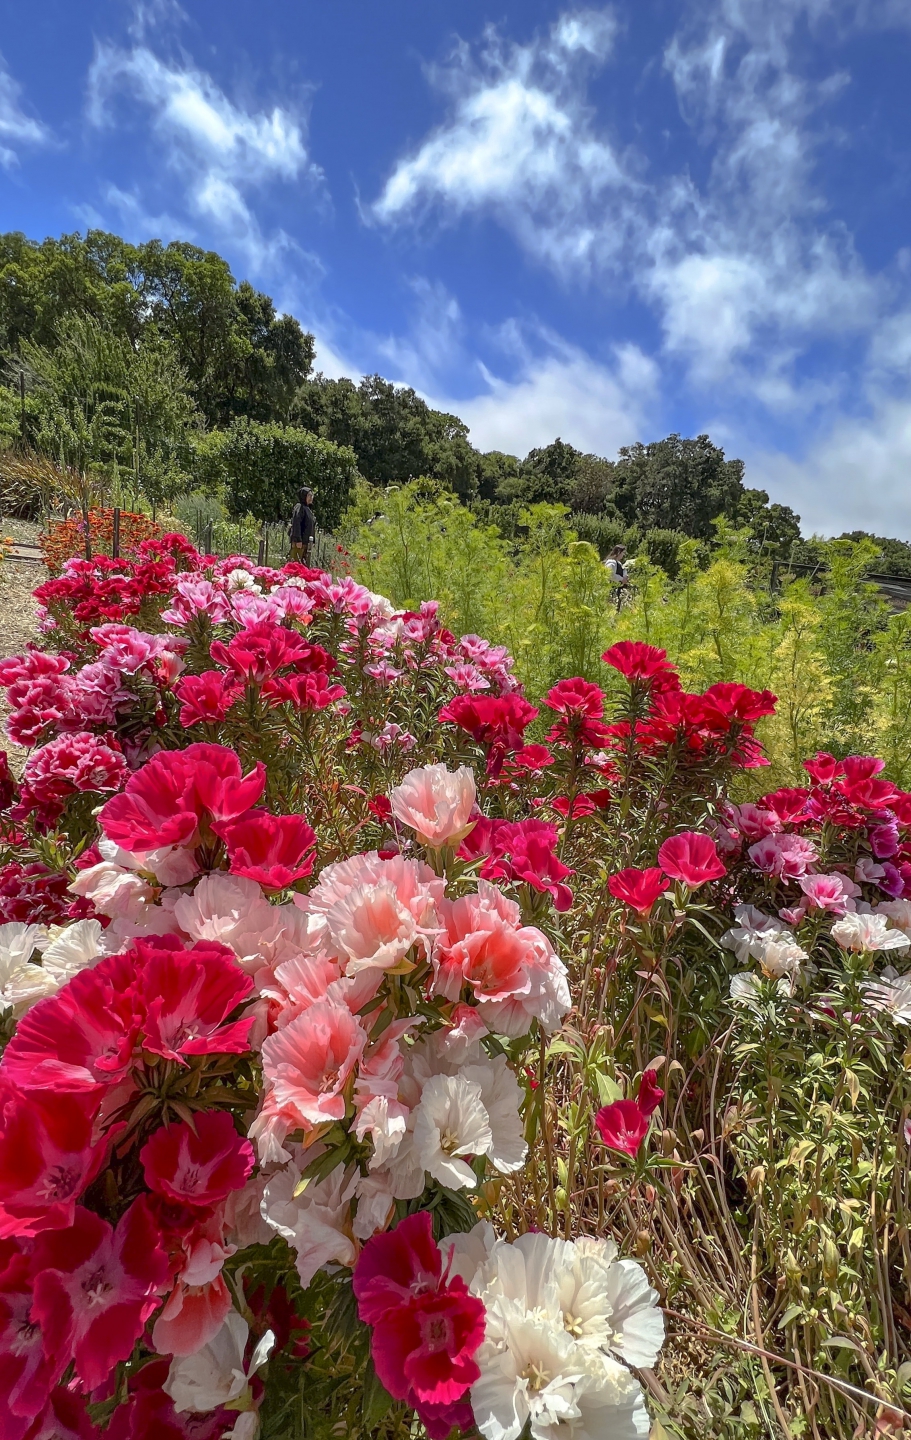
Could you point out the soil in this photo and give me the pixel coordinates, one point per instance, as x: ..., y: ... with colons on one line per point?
x: 18, y: 625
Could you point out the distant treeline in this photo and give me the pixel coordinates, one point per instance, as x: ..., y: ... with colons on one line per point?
x: 151, y: 367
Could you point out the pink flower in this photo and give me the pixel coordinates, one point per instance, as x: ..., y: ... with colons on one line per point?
x: 833, y: 892
x: 785, y: 856
x: 274, y: 850
x: 426, y: 1329
x: 96, y: 1287
x: 691, y: 858
x: 27, y: 1373
x: 165, y: 802
x: 309, y: 1062
x: 196, y: 597
x: 197, y: 1169
x: 257, y: 653
x: 191, y: 1316
x: 187, y: 996
x: 48, y: 1155
x: 206, y: 698
x: 436, y: 802
x: 753, y: 822
x: 309, y: 692
x: 638, y: 888
x: 580, y: 705
x: 375, y: 910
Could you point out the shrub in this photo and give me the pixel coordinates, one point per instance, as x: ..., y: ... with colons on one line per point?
x: 262, y: 468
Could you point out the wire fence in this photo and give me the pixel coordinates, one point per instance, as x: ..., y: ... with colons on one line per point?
x: 264, y: 544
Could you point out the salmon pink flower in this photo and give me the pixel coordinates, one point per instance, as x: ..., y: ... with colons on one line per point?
x: 95, y: 1288
x: 274, y: 850
x: 165, y: 802
x: 308, y: 1063
x: 691, y: 858
x: 638, y: 888
x: 197, y: 1168
x: 48, y: 1155
x: 436, y: 802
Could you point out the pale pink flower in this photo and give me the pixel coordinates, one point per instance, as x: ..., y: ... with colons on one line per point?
x: 317, y: 1221
x: 833, y: 892
x: 370, y: 912
x: 785, y: 856
x: 436, y: 802
x: 856, y: 931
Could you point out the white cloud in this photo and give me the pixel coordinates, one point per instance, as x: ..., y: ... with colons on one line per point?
x: 560, y: 390
x: 221, y: 151
x: 16, y: 127
x: 854, y: 477
x: 519, y: 142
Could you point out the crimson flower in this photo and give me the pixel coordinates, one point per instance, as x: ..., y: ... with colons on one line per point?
x: 201, y: 1167
x: 638, y: 662
x: 426, y: 1329
x: 824, y: 768
x: 274, y: 850
x: 638, y: 888
x: 524, y: 850
x: 165, y: 802
x: 48, y: 1155
x: 497, y: 721
x: 788, y: 804
x: 576, y: 697
x: 95, y: 1288
x: 27, y: 1371
x: 206, y: 698
x: 691, y: 858
x: 739, y: 702
x: 649, y: 1095
x: 187, y: 997
x: 81, y: 1037
x: 622, y: 1125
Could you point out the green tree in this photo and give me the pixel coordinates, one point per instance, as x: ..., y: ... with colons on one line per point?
x: 677, y: 484
x: 262, y: 468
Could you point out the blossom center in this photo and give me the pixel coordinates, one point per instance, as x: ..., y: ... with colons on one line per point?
x: 60, y: 1183
x: 535, y: 1376
x: 96, y: 1288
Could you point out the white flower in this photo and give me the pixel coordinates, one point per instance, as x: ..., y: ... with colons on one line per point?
x: 114, y: 890
x: 450, y: 1121
x: 436, y: 802
x: 778, y: 955
x: 899, y: 912
x: 374, y: 1204
x: 21, y: 982
x: 746, y: 989
x: 73, y: 948
x: 315, y: 1222
x: 752, y: 932
x: 501, y: 1098
x: 534, y: 1373
x: 386, y: 1122
x: 891, y: 993
x: 857, y: 931
x: 216, y: 1374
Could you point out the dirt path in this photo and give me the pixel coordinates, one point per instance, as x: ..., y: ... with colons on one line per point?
x: 17, y: 617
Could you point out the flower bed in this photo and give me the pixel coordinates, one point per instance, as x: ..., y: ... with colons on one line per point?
x: 377, y: 1048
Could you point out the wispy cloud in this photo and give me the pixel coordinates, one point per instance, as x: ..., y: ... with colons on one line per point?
x: 221, y: 151
x: 17, y: 127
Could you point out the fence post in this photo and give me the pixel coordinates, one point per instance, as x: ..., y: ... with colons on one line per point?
x: 115, y: 535
x: 261, y: 557
x: 209, y: 538
x: 266, y: 547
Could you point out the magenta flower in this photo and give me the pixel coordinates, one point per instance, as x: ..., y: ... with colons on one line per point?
x: 95, y: 1288
x: 48, y: 1155
x: 188, y: 996
x: 207, y: 697
x: 197, y: 1169
x: 165, y: 802
x: 274, y: 850
x: 691, y: 858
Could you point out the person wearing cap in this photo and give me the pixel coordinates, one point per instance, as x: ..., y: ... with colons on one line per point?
x: 303, y: 526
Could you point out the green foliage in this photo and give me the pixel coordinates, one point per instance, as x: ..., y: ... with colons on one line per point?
x: 262, y: 467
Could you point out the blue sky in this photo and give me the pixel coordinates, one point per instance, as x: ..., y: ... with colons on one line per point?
x: 605, y: 223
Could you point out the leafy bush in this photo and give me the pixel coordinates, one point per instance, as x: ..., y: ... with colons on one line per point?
x: 261, y: 468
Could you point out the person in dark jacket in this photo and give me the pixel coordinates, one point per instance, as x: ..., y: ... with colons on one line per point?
x: 303, y: 526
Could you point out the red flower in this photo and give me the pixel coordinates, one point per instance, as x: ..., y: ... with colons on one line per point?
x: 649, y: 1096
x: 165, y: 802
x: 638, y: 888
x: 201, y: 1168
x: 73, y: 763
x: 788, y: 804
x: 427, y: 1330
x: 188, y: 995
x: 96, y: 1287
x: 739, y: 703
x: 531, y: 758
x: 207, y: 697
x: 623, y: 1126
x: 692, y: 858
x: 497, y: 721
x: 274, y: 850
x: 638, y: 662
x: 48, y: 1155
x: 576, y: 697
